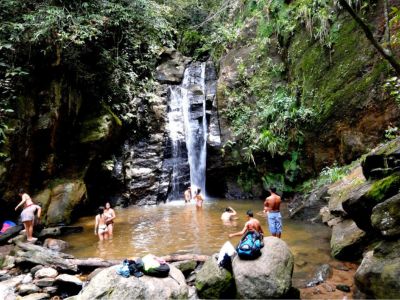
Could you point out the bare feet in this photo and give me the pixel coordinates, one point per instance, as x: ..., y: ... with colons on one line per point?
x: 32, y: 240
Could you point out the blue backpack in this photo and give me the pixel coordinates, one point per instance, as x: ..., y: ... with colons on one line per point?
x: 250, y: 245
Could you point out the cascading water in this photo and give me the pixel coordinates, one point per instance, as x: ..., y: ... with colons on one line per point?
x: 187, y: 119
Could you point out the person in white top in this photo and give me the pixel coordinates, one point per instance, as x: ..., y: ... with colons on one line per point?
x: 28, y: 214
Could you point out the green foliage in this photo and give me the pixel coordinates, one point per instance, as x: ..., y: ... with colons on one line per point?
x: 331, y: 174
x: 392, y: 86
x: 108, y: 49
x: 391, y: 133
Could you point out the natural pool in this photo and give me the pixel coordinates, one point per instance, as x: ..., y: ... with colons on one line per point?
x: 179, y: 228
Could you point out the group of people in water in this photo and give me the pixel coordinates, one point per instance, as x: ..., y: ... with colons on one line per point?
x: 196, y: 196
x: 104, y: 222
x: 271, y: 211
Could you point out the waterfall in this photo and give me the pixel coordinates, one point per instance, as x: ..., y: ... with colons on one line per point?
x: 187, y: 127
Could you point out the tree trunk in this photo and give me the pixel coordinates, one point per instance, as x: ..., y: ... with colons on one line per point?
x: 386, y: 54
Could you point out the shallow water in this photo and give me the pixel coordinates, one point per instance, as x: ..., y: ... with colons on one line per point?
x: 181, y: 228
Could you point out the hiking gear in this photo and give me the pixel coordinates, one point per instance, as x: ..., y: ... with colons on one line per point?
x: 153, y: 267
x: 250, y: 245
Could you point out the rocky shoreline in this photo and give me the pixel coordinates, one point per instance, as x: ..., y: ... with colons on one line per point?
x: 33, y: 271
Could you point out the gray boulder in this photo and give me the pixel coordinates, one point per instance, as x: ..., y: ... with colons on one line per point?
x: 213, y: 282
x: 36, y: 296
x: 269, y: 276
x: 361, y: 200
x: 379, y: 272
x: 386, y: 216
x: 28, y: 288
x: 7, y: 287
x: 37, y: 255
x: 109, y: 284
x: 55, y: 244
x: 46, y: 272
x: 172, y: 68
x: 347, y: 240
x: 383, y: 161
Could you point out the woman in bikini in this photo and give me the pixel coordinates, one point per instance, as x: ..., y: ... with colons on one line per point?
x: 198, y: 198
x: 28, y: 214
x: 100, y: 228
x: 110, y: 216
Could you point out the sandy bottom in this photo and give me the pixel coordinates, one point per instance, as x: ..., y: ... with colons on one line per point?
x: 342, y: 273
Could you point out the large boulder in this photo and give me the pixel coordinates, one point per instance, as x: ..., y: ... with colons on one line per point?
x: 347, y: 240
x: 361, y: 200
x: 386, y: 216
x: 383, y: 160
x: 37, y: 255
x: 269, y: 276
x: 109, y: 284
x: 172, y: 67
x: 379, y: 272
x: 213, y: 282
x: 61, y: 201
x: 340, y: 190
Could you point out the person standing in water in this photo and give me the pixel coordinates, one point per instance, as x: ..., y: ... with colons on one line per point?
x: 272, y: 208
x: 110, y: 216
x: 228, y: 215
x: 28, y: 214
x: 199, y: 198
x: 188, y: 195
x: 100, y: 227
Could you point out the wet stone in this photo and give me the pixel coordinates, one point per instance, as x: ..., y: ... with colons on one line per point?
x: 28, y: 288
x: 44, y: 282
x: 343, y: 288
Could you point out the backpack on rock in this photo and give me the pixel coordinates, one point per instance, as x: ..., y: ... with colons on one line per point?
x: 250, y: 245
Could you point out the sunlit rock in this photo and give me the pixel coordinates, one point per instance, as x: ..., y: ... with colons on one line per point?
x: 269, y: 276
x: 108, y: 282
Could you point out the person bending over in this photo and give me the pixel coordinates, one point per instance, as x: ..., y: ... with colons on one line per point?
x: 28, y: 214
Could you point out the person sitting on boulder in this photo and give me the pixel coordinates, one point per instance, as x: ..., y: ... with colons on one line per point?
x: 252, y: 225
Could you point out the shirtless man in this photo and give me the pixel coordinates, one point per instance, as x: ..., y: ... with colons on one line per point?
x: 228, y: 215
x: 188, y: 195
x: 271, y: 207
x: 28, y: 214
x: 251, y: 225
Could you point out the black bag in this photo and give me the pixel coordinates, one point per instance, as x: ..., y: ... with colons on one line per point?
x: 161, y: 271
x: 226, y: 262
x: 135, y: 267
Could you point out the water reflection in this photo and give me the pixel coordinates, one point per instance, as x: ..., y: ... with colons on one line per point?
x: 181, y: 228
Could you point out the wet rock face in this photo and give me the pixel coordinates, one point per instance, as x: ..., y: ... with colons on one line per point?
x: 171, y: 70
x: 347, y: 240
x: 60, y: 203
x: 386, y: 217
x: 155, y: 166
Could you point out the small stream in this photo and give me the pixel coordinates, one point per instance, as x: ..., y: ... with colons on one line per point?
x: 180, y: 228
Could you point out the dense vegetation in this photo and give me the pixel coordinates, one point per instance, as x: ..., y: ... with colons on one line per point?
x: 278, y: 95
x: 109, y: 50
